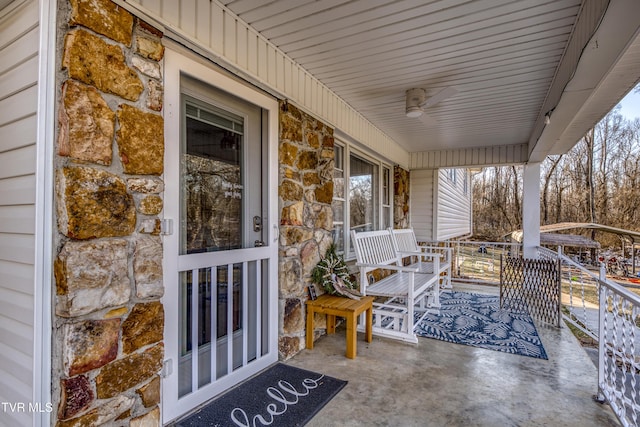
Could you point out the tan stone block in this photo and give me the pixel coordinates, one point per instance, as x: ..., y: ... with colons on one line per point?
x: 292, y: 214
x: 91, y: 60
x: 150, y: 205
x: 143, y: 326
x: 140, y: 141
x: 150, y: 185
x: 294, y: 235
x: 150, y: 419
x: 287, y: 154
x: 309, y: 256
x: 290, y: 191
x: 289, y: 276
x: 150, y: 393
x: 91, y: 276
x: 76, y: 396
x: 150, y: 226
x: 149, y: 48
x: 93, y: 203
x: 104, y: 17
x: 87, y: 124
x: 149, y: 68
x: 90, y: 344
x: 324, y: 219
x: 101, y: 415
x: 307, y: 160
x: 122, y: 374
x: 147, y: 267
x: 155, y: 96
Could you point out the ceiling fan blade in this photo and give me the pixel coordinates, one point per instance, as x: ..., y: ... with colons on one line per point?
x: 427, y: 120
x: 440, y: 96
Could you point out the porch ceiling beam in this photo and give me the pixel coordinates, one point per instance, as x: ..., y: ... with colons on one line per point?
x: 470, y: 157
x: 592, y: 77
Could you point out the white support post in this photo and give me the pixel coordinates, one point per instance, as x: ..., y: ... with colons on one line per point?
x: 531, y: 210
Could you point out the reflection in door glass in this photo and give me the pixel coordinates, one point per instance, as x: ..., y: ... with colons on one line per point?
x: 212, y: 190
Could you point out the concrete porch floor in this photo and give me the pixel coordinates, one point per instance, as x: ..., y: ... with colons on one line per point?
x: 435, y: 383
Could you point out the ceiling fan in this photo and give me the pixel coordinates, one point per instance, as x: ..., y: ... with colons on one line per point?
x: 417, y: 101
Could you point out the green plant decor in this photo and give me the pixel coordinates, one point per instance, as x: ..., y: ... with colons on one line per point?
x: 332, y: 275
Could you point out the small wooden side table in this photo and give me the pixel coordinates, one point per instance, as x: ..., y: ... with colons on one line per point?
x: 348, y: 308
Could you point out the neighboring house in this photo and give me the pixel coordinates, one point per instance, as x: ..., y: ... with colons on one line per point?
x: 441, y: 204
x: 169, y: 176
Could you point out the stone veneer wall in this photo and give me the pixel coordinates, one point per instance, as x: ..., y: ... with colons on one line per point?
x: 400, y: 197
x: 306, y: 192
x: 109, y: 321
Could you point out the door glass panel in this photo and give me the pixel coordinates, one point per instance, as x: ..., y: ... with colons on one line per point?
x: 212, y: 181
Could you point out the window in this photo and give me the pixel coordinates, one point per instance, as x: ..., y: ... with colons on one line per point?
x: 386, y: 197
x: 339, y: 202
x: 362, y: 195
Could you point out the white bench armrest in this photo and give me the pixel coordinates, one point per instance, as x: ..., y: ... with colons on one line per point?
x: 418, y: 253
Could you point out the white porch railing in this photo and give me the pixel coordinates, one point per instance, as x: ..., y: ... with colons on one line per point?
x: 610, y: 314
x: 479, y: 262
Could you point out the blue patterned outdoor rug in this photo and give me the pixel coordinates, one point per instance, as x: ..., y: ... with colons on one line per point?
x: 478, y: 321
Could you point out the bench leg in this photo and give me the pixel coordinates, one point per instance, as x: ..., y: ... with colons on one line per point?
x: 369, y: 325
x: 351, y: 336
x: 310, y: 327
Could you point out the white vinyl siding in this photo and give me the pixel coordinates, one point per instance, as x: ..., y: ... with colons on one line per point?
x: 219, y: 34
x: 453, y: 207
x: 422, y: 203
x: 19, y: 38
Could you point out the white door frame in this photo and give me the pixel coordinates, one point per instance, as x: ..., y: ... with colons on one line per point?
x: 177, y: 65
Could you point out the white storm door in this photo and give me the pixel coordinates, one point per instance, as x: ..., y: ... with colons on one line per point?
x: 221, y: 259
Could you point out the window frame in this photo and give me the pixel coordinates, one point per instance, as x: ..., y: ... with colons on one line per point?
x: 348, y: 150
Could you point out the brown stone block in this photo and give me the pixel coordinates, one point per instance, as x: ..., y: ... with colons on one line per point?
x: 307, y: 160
x: 313, y: 140
x: 309, y: 256
x: 310, y: 178
x: 87, y: 124
x: 144, y: 326
x: 290, y: 128
x: 150, y: 393
x: 76, y: 396
x: 91, y: 276
x: 293, y: 320
x: 289, y: 276
x: 146, y: 185
x: 293, y: 235
x: 122, y: 374
x: 140, y: 141
x: 90, y: 344
x: 288, y: 347
x: 104, y: 17
x: 93, y: 203
x: 324, y: 194
x: 91, y: 60
x: 328, y: 141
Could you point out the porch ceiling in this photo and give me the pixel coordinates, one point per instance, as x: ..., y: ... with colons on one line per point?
x: 510, y: 61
